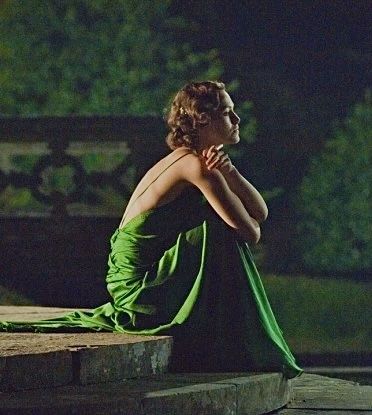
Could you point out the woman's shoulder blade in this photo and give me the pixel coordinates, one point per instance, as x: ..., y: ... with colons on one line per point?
x: 192, y: 164
x: 176, y: 156
x: 196, y: 171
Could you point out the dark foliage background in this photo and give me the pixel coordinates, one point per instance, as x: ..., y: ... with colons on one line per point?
x: 297, y: 71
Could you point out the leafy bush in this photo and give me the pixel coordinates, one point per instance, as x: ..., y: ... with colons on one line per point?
x: 334, y: 200
x: 322, y: 314
x: 84, y: 57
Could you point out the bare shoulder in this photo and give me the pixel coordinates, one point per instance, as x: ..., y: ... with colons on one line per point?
x: 193, y: 165
x: 214, y: 187
x: 194, y: 170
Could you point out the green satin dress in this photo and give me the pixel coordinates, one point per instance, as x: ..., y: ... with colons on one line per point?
x: 179, y: 270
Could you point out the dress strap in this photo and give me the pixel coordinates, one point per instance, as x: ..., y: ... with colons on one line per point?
x: 128, y: 207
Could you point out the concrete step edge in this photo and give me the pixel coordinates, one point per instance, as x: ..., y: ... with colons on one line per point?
x: 181, y: 394
x: 79, y: 358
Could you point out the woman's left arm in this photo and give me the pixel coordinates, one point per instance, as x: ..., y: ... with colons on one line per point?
x: 247, y: 193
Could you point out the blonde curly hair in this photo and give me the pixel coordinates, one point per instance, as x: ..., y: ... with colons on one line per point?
x: 184, y: 116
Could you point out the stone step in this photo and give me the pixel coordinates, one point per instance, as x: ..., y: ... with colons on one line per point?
x: 112, y: 373
x: 316, y: 394
x: 38, y: 360
x: 167, y: 394
x: 339, y: 370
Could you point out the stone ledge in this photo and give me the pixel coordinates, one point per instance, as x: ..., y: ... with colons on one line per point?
x: 168, y: 394
x: 315, y: 394
x: 37, y: 360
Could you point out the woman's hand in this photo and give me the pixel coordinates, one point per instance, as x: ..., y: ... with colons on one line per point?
x: 253, y: 202
x: 215, y: 158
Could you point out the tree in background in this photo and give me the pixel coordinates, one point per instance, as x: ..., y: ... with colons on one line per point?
x: 335, y: 199
x: 125, y: 57
x: 59, y: 57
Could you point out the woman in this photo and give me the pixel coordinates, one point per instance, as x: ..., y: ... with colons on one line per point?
x: 180, y: 262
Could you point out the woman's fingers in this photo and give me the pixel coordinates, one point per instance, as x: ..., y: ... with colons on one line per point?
x: 214, y: 154
x: 211, y: 150
x: 214, y: 149
x: 219, y: 157
x: 217, y: 161
x: 212, y: 163
x: 215, y: 157
x: 223, y: 160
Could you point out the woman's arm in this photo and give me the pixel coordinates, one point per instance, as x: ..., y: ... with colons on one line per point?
x: 247, y: 193
x: 223, y: 200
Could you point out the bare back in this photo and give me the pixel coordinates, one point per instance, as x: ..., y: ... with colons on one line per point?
x: 161, y: 184
x: 182, y: 168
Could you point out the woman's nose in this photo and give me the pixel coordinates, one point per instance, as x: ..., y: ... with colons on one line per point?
x: 236, y: 119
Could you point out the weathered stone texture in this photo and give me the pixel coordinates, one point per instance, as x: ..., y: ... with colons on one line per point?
x: 37, y: 360
x: 315, y: 394
x: 260, y: 393
x: 201, y: 399
x: 167, y: 394
x: 322, y: 392
x: 37, y: 370
x: 118, y: 362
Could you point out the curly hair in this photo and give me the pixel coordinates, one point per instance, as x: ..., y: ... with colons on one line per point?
x: 184, y: 116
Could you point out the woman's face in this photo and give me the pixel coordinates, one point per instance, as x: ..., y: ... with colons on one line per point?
x: 224, y: 129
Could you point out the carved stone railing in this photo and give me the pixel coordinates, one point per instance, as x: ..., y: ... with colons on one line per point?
x: 139, y: 140
x: 54, y: 239
x: 54, y: 246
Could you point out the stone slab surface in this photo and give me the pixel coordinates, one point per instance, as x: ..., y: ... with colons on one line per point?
x: 167, y: 394
x: 35, y: 370
x: 262, y: 393
x: 313, y: 394
x: 340, y: 370
x: 16, y: 344
x: 256, y: 394
x: 123, y: 361
x: 33, y: 313
x: 35, y: 360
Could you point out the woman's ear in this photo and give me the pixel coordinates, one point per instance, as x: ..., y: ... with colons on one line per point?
x: 204, y: 118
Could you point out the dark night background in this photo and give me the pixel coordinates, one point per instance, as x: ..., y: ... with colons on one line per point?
x: 314, y: 57
x: 304, y: 66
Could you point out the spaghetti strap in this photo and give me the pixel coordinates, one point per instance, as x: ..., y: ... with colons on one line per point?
x: 128, y: 207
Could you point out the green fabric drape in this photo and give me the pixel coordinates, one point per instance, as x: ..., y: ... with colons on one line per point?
x: 179, y: 270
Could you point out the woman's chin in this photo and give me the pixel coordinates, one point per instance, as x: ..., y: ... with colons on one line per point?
x: 235, y: 139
